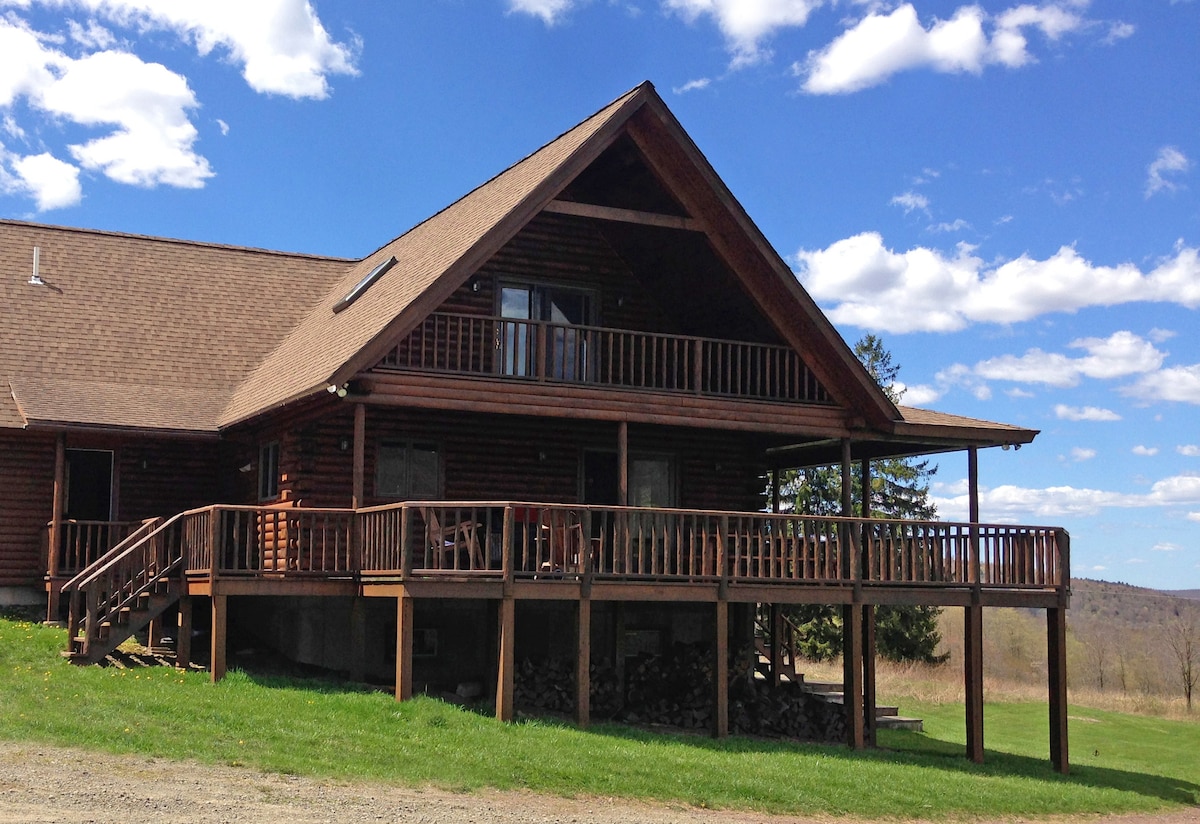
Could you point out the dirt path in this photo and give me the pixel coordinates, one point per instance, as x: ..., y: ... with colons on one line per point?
x: 50, y: 784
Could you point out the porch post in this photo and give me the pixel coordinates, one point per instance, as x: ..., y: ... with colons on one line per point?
x: 852, y: 614
x: 358, y: 638
x: 183, y: 633
x: 404, y: 646
x: 360, y: 453
x: 505, y: 674
x: 583, y: 664
x: 870, y: 718
x: 220, y: 609
x: 973, y: 623
x: 623, y: 463
x: 721, y: 671
x: 1056, y: 672
x: 973, y: 679
x: 54, y: 538
x: 777, y: 645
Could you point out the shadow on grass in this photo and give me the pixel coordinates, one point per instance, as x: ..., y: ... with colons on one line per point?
x: 912, y: 749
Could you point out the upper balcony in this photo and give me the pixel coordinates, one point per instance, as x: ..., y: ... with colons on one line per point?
x: 547, y: 352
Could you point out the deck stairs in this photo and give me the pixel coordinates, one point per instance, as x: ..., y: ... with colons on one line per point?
x: 832, y: 692
x: 122, y: 592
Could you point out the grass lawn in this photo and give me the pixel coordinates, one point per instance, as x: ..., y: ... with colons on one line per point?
x: 1120, y: 762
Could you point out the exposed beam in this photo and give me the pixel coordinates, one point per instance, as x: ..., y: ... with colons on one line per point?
x: 567, y: 207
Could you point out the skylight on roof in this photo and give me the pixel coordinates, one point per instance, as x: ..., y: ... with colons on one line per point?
x: 364, y: 284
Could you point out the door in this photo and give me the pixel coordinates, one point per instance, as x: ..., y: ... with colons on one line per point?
x: 523, y: 306
x: 89, y: 485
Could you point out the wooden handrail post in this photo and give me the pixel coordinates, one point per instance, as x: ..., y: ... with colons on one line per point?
x: 698, y: 366
x: 214, y: 533
x: 973, y: 517
x: 406, y: 553
x: 506, y: 550
x: 722, y: 560
x: 541, y: 355
x: 585, y: 555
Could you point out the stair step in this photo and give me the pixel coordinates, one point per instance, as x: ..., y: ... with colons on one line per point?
x: 900, y: 722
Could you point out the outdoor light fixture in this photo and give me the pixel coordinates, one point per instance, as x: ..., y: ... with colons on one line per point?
x: 344, y: 444
x: 476, y: 285
x: 340, y: 391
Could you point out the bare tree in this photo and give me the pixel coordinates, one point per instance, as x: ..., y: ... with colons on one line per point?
x: 1183, y: 640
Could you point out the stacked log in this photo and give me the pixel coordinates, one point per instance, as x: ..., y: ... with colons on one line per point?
x: 675, y: 689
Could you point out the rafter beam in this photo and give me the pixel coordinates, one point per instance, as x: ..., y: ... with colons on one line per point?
x: 567, y: 207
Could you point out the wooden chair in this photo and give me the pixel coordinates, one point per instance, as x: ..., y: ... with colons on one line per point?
x: 563, y: 539
x: 444, y: 545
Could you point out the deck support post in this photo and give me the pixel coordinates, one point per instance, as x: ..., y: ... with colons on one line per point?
x: 358, y: 638
x: 404, y: 646
x: 505, y: 673
x: 1056, y: 672
x: 973, y: 679
x: 54, y: 539
x: 360, y: 452
x: 219, y: 636
x: 869, y: 715
x: 583, y: 664
x: 619, y: 650
x: 183, y: 633
x: 852, y: 674
x: 721, y: 671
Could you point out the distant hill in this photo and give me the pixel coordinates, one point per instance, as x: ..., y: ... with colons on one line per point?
x: 1121, y: 606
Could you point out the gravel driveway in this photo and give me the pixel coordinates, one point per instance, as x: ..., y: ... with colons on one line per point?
x: 40, y: 783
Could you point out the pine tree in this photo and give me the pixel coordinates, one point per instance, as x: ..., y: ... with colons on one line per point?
x: 899, y: 489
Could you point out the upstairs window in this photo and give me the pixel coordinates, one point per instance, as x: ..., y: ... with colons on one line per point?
x: 408, y: 471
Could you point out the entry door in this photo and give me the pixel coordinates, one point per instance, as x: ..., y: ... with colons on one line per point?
x: 89, y: 485
x: 568, y: 347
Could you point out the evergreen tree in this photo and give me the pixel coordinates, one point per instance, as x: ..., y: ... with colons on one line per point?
x: 899, y: 489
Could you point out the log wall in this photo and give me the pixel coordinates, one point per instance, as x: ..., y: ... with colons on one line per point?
x: 508, y: 457
x: 26, y: 492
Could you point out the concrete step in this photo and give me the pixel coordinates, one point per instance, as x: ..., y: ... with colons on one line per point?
x: 900, y: 722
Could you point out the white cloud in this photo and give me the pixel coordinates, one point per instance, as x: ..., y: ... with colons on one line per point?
x: 956, y: 226
x: 1119, y: 31
x: 223, y: 126
x: 147, y: 105
x: 863, y: 283
x: 1011, y: 503
x: 85, y: 75
x: 911, y: 201
x: 1177, y: 383
x: 919, y: 395
x: 1193, y: 516
x: 551, y: 11
x: 1188, y: 450
x: 746, y: 23
x: 1017, y: 393
x: 693, y: 86
x: 1160, y: 335
x: 1170, y: 161
x: 1145, y: 451
x: 1080, y: 454
x: 1165, y: 546
x: 1084, y: 413
x: 883, y: 44
x: 53, y: 183
x: 282, y: 46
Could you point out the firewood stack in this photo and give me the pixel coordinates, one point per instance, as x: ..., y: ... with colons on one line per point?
x: 676, y: 689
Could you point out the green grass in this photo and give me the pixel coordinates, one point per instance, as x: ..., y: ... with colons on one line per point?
x: 324, y: 729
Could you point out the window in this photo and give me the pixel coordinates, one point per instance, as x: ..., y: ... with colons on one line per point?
x: 651, y: 482
x: 268, y: 471
x: 408, y: 471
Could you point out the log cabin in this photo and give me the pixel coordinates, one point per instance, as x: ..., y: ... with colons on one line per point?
x: 540, y: 422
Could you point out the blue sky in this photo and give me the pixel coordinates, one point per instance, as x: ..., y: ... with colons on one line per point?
x: 1006, y: 193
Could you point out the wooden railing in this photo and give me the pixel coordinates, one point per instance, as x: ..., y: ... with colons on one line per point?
x: 543, y: 351
x: 82, y: 542
x: 534, y: 541
x: 531, y: 540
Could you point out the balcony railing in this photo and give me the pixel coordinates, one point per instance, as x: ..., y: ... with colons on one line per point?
x: 536, y: 541
x: 82, y: 542
x: 593, y: 355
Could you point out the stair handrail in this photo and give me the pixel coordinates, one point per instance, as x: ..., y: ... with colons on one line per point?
x: 148, y: 525
x: 83, y: 584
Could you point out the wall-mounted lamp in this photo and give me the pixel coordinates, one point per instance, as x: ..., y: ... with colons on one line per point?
x: 248, y: 467
x: 340, y: 391
x: 541, y: 457
x: 344, y: 444
x: 145, y: 464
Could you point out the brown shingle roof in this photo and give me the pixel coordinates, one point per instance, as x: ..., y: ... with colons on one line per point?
x: 140, y: 332
x: 437, y: 252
